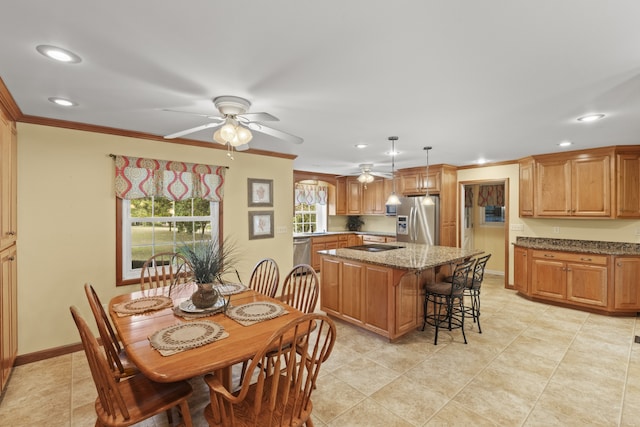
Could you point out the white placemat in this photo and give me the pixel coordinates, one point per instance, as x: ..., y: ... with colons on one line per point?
x: 231, y: 288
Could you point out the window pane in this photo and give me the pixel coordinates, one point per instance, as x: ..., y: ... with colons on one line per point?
x: 141, y: 208
x: 141, y: 233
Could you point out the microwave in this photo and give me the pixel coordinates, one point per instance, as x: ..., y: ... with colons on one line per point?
x: 390, y: 210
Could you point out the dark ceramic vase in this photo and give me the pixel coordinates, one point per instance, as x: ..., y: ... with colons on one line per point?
x: 205, y: 296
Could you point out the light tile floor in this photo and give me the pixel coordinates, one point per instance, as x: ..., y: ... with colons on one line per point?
x: 533, y: 365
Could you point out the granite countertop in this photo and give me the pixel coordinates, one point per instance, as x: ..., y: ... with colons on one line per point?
x: 410, y: 256
x: 329, y: 233
x: 582, y: 246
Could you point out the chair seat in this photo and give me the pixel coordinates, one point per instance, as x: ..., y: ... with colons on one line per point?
x: 128, y: 367
x: 442, y: 288
x: 144, y: 398
x: 242, y: 411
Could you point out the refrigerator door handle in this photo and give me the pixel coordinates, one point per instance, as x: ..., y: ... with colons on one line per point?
x: 412, y: 226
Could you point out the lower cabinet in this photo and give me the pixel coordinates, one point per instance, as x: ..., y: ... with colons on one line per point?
x: 601, y: 283
x: 626, y: 284
x: 8, y: 313
x: 578, y: 278
x: 521, y: 269
x: 380, y: 299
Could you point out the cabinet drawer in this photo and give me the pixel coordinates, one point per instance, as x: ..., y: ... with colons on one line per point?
x: 343, y: 237
x: 571, y: 257
x: 373, y: 239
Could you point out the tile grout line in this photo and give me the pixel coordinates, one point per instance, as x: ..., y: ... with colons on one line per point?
x: 626, y: 373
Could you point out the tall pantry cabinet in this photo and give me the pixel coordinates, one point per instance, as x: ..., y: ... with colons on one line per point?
x: 8, y: 238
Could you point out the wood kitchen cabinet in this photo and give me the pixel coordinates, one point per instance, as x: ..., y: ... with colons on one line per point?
x: 8, y: 313
x: 597, y: 183
x: 414, y: 181
x: 628, y: 188
x: 374, y: 197
x: 577, y: 278
x: 377, y: 298
x: 626, y: 284
x: 574, y: 187
x: 8, y: 181
x: 354, y: 196
x: 526, y: 186
x: 354, y: 240
x: 320, y: 243
x: 341, y: 195
x: 521, y: 269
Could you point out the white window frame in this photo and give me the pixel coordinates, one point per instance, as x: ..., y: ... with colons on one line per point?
x: 129, y: 273
x: 321, y: 216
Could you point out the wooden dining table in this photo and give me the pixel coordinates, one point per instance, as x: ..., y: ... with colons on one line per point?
x: 217, y: 357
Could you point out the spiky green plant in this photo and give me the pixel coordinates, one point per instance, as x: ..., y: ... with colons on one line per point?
x: 209, y: 260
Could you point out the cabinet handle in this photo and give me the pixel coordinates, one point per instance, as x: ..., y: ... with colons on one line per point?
x: 585, y: 259
x: 549, y: 256
x: 11, y: 233
x: 618, y: 264
x: 12, y: 258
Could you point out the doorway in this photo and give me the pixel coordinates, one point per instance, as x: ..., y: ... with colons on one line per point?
x: 484, y: 221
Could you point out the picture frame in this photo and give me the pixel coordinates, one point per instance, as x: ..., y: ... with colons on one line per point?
x: 260, y: 192
x: 260, y: 225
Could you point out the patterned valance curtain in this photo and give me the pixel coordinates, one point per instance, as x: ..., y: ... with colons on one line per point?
x: 311, y: 194
x: 468, y: 196
x: 137, y: 178
x: 491, y: 195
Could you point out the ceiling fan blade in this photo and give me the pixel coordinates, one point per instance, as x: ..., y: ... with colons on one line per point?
x: 192, y: 130
x: 381, y: 174
x: 275, y: 132
x: 219, y: 118
x: 257, y: 117
x: 243, y: 147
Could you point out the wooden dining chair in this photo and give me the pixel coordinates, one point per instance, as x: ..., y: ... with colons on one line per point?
x: 165, y: 269
x: 300, y: 288
x: 121, y: 366
x: 265, y: 277
x: 279, y: 395
x: 123, y: 403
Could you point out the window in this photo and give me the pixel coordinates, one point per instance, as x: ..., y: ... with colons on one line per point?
x: 493, y: 215
x: 152, y: 225
x: 309, y: 218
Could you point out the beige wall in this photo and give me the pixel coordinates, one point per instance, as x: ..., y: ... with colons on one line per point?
x: 603, y: 230
x: 66, y: 221
x: 377, y: 223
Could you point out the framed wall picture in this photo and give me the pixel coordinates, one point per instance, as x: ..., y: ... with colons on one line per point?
x: 260, y: 192
x: 260, y: 224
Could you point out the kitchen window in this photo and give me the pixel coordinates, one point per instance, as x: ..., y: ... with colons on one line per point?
x: 152, y: 225
x: 309, y: 218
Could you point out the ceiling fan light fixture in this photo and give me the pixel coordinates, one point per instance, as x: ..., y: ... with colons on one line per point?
x: 427, y: 201
x: 244, y: 135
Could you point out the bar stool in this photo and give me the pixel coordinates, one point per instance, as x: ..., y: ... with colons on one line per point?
x: 447, y: 301
x: 473, y: 289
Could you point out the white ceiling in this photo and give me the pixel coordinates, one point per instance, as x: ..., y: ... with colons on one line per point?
x: 494, y: 79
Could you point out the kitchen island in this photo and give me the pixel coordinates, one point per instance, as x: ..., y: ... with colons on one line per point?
x: 382, y: 290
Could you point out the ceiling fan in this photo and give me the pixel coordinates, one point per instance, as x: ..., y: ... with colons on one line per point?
x: 367, y: 175
x: 235, y: 124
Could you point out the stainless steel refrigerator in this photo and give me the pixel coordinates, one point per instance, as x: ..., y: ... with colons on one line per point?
x: 417, y: 222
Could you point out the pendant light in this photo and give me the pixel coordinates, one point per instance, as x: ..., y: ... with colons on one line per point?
x: 393, y: 198
x: 428, y: 201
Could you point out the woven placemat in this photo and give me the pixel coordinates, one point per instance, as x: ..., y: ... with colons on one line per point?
x: 254, y: 312
x: 183, y: 336
x: 231, y: 288
x: 142, y: 305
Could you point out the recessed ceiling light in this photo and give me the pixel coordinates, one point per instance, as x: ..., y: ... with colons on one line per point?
x: 63, y: 102
x: 565, y: 143
x: 590, y: 118
x: 58, y: 54
x: 481, y: 161
x: 392, y: 153
x: 361, y: 145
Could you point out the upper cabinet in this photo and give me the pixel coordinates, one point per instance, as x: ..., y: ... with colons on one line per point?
x: 582, y: 184
x: 415, y: 181
x: 354, y: 198
x: 8, y: 181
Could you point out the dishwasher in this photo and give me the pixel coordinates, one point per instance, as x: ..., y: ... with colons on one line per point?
x: 301, y: 250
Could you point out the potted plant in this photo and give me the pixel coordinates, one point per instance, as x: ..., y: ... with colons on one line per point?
x: 354, y: 223
x: 209, y: 261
